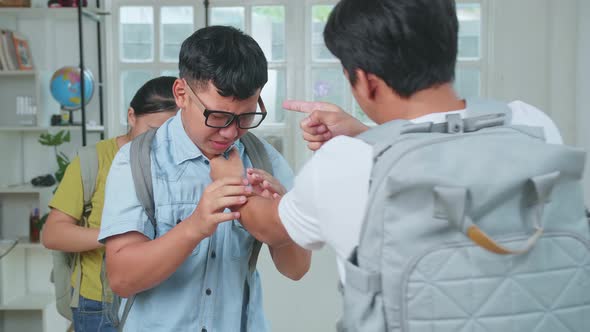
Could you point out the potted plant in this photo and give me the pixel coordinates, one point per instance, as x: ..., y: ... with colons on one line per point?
x: 54, y: 140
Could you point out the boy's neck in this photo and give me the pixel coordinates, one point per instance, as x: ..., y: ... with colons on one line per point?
x: 442, y: 98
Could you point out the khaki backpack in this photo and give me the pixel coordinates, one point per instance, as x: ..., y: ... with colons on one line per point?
x: 64, y: 263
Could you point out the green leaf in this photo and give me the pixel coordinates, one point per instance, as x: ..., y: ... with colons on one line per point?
x: 62, y: 160
x: 59, y: 174
x: 45, y: 139
x: 56, y: 139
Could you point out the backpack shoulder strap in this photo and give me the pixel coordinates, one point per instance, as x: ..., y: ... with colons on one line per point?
x: 141, y: 172
x: 89, y: 171
x: 383, y: 136
x: 259, y: 158
x: 256, y: 152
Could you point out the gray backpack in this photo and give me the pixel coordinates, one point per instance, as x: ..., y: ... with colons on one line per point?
x: 140, y: 162
x: 64, y: 263
x: 472, y: 225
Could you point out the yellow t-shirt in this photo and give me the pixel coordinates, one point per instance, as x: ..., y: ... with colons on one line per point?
x: 69, y: 199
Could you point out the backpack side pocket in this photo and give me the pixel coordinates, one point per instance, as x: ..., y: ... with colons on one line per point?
x: 363, y: 301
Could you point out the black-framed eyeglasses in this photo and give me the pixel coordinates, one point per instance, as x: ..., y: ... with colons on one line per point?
x: 223, y: 119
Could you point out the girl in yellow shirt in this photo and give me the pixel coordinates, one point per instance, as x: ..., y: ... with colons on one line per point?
x: 151, y: 106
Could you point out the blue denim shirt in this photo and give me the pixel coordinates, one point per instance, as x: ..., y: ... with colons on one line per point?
x: 206, y: 292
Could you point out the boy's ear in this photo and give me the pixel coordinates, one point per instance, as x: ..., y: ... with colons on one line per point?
x: 180, y: 93
x: 366, y: 84
x: 369, y: 85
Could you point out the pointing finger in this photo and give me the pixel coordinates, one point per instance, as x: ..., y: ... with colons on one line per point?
x: 309, y: 106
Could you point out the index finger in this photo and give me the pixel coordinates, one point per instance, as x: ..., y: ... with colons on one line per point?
x: 228, y: 181
x: 262, y: 172
x: 308, y: 106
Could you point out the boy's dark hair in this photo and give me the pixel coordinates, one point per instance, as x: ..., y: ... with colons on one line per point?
x: 155, y: 96
x: 227, y: 57
x: 410, y: 44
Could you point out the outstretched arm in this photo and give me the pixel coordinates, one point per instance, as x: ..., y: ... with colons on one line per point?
x: 262, y: 219
x: 260, y: 216
x: 324, y: 121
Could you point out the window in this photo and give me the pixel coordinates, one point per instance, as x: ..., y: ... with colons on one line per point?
x: 468, y: 74
x: 148, y: 38
x: 300, y: 66
x: 266, y: 24
x: 136, y: 34
x: 327, y: 79
x: 176, y: 24
x: 327, y: 82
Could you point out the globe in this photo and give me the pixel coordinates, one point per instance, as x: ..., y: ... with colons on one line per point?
x: 65, y: 87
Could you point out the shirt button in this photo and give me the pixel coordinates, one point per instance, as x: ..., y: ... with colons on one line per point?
x: 213, y: 254
x: 203, y: 330
x: 208, y: 291
x: 206, y: 162
x: 178, y: 221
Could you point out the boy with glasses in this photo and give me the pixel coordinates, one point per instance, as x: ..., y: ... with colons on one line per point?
x: 190, y: 276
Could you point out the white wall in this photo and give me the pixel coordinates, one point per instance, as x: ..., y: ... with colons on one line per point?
x: 540, y: 53
x: 312, y: 304
x: 583, y: 87
x: 533, y: 57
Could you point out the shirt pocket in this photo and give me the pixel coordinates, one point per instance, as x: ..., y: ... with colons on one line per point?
x: 240, y: 241
x: 168, y: 216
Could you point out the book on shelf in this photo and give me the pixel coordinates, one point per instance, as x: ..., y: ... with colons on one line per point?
x: 15, y: 53
x: 6, y: 50
x: 22, y: 52
x: 3, y: 61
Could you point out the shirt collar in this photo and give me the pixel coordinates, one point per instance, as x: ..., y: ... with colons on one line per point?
x: 183, y: 148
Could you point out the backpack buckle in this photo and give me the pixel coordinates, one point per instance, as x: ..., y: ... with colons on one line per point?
x: 454, y: 123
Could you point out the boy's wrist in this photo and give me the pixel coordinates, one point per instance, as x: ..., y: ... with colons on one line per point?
x: 193, y: 230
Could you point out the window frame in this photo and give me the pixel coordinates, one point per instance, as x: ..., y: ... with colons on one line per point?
x: 481, y: 63
x: 297, y: 63
x: 287, y: 129
x: 154, y: 67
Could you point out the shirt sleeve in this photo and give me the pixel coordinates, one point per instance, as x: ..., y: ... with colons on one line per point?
x: 298, y: 211
x: 122, y: 212
x: 328, y: 200
x: 525, y: 114
x: 69, y: 196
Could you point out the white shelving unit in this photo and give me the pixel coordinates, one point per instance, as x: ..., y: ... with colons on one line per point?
x: 9, y: 73
x: 93, y: 129
x: 15, y: 83
x: 55, y: 13
x: 27, y: 302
